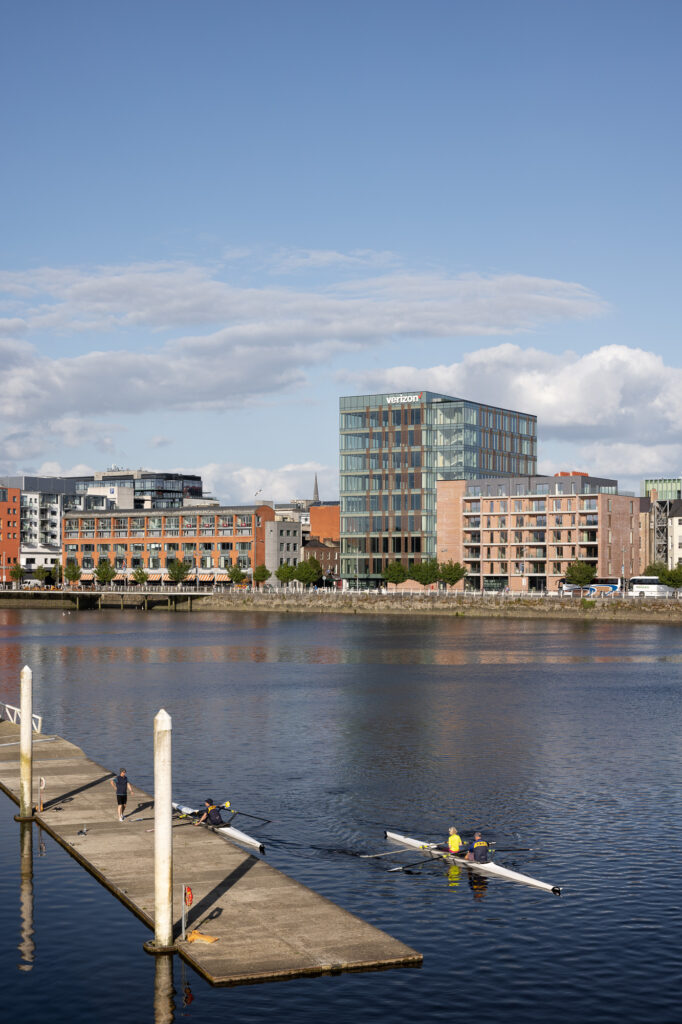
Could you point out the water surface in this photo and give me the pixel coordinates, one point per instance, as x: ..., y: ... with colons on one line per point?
x: 562, y: 739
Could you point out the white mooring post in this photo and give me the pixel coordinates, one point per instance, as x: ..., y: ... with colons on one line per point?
x: 163, y: 834
x: 26, y: 745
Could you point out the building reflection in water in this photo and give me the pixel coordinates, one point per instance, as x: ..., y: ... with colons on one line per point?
x: 164, y: 1003
x: 27, y: 946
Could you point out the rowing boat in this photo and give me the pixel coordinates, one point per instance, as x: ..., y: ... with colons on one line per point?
x: 226, y: 831
x: 490, y: 868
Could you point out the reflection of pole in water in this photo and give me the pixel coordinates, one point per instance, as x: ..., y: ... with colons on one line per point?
x: 164, y: 1005
x: 27, y: 946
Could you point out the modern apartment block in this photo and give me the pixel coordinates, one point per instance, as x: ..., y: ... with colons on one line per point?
x: 394, y: 448
x: 666, y: 488
x: 10, y: 531
x: 522, y: 534
x: 208, y: 539
x: 151, y: 488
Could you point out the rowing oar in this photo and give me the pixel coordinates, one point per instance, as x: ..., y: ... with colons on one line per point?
x: 412, y: 865
x: 391, y: 853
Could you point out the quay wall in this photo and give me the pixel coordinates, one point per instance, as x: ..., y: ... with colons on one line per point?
x: 363, y: 603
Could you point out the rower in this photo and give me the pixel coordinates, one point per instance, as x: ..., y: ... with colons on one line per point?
x: 478, y: 849
x: 454, y: 842
x: 212, y: 814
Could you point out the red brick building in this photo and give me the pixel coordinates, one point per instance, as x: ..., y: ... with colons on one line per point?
x: 10, y: 531
x: 521, y: 533
x: 210, y: 539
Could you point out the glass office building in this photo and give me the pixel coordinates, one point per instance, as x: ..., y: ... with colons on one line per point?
x: 393, y: 449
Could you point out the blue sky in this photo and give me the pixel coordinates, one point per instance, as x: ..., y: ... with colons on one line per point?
x: 219, y: 216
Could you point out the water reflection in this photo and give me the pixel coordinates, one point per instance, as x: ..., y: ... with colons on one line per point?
x: 164, y: 1003
x: 478, y: 885
x: 26, y: 945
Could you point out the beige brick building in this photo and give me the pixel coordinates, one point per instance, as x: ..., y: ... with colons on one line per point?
x: 521, y: 533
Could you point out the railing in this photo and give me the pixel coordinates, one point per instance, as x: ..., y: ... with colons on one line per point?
x: 12, y: 714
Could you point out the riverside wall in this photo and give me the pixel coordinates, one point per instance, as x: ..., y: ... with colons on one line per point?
x: 362, y: 603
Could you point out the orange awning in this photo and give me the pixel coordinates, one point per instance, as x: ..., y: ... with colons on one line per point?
x: 87, y: 575
x: 154, y: 576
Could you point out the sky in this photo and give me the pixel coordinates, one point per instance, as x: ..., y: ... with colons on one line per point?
x: 218, y: 216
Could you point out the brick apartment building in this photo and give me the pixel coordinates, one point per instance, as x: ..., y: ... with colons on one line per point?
x: 10, y: 531
x: 521, y: 533
x: 209, y: 539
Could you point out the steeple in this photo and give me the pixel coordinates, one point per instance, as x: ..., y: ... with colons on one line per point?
x: 316, y: 491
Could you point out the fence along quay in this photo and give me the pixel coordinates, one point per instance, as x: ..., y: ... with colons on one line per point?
x: 267, y: 926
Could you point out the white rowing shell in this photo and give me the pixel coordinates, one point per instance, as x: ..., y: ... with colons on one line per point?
x: 228, y: 831
x: 491, y: 869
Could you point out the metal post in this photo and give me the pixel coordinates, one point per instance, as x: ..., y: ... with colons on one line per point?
x: 26, y: 744
x: 163, y: 835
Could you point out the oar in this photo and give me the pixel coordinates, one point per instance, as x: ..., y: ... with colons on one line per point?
x: 391, y: 853
x: 412, y: 865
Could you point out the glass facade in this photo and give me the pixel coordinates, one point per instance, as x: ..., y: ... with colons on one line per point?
x: 392, y: 450
x: 668, y: 488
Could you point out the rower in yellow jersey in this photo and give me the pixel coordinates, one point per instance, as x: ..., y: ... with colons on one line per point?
x: 454, y: 842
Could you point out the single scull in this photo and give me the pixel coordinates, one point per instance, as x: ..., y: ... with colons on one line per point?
x: 227, y: 831
x: 490, y: 868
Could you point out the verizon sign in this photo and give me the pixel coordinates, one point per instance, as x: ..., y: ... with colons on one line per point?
x: 403, y: 399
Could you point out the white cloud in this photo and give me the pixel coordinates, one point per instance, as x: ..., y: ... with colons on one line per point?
x: 287, y: 260
x: 234, y: 484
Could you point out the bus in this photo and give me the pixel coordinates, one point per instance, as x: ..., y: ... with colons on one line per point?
x: 649, y: 586
x: 599, y: 587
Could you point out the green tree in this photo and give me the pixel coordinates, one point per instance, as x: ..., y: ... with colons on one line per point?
x: 285, y: 574
x: 656, y: 569
x: 672, y: 577
x: 177, y: 570
x: 261, y: 575
x: 17, y: 573
x: 425, y: 573
x: 451, y: 572
x: 308, y: 571
x: 580, y: 573
x: 140, y: 576
x: 72, y: 572
x: 395, y: 572
x: 41, y: 573
x: 236, y: 574
x: 105, y: 572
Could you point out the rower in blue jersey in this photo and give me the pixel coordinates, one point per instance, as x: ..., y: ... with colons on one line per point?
x: 212, y: 814
x: 478, y: 849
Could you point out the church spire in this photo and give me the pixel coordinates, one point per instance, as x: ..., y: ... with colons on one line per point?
x: 316, y: 491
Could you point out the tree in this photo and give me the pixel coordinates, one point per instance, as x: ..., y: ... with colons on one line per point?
x: 140, y: 576
x: 672, y: 577
x: 580, y: 573
x: 451, y: 572
x: 57, y: 572
x: 425, y: 573
x: 17, y: 573
x: 236, y: 574
x: 395, y: 572
x: 261, y: 575
x: 105, y: 572
x: 285, y: 574
x: 72, y: 572
x: 177, y: 570
x: 41, y: 573
x: 308, y: 571
x: 656, y: 569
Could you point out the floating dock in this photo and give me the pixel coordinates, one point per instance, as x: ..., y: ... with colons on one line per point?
x: 268, y: 927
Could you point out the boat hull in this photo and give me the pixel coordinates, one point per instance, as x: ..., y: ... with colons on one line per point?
x: 490, y: 869
x: 226, y: 831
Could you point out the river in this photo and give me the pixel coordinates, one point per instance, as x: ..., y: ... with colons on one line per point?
x: 561, y: 740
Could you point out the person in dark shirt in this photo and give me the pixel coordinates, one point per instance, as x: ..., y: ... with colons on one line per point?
x: 212, y: 814
x: 122, y: 785
x: 478, y: 849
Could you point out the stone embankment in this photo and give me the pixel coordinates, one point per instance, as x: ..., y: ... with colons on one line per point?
x: 502, y: 606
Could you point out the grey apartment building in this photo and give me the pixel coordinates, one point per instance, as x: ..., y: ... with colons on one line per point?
x: 393, y: 449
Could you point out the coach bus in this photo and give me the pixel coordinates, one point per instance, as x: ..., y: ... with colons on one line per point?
x: 649, y: 586
x: 599, y: 587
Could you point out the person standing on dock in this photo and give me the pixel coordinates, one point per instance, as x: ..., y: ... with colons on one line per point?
x: 212, y: 814
x: 478, y: 849
x: 122, y: 785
